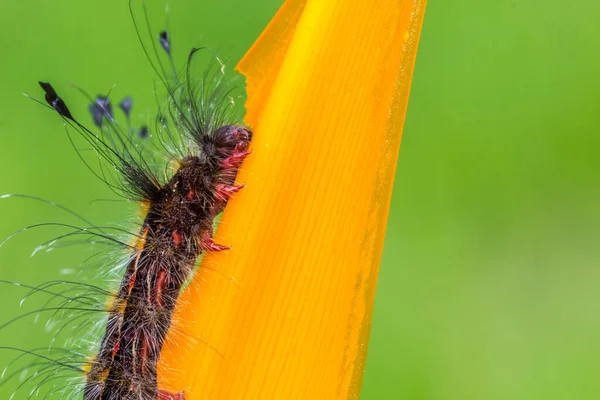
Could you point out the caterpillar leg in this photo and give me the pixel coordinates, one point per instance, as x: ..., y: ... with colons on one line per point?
x: 208, y: 243
x: 224, y: 192
x: 234, y: 160
x: 166, y: 395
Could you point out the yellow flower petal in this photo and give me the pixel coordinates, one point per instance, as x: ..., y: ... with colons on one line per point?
x: 285, y: 314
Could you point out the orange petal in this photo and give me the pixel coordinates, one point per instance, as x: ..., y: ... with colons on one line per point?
x: 286, y: 312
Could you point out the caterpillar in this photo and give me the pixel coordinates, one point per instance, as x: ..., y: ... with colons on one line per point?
x: 198, y: 134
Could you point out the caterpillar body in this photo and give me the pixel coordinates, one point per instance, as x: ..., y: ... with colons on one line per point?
x: 197, y: 131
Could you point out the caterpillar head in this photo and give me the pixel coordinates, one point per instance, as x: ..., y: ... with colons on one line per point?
x: 230, y: 140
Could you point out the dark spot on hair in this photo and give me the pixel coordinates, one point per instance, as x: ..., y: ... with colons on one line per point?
x: 165, y: 42
x: 100, y: 109
x: 56, y: 102
x: 143, y: 133
x: 126, y: 104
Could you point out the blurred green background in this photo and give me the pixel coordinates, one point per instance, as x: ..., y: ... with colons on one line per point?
x: 489, y: 281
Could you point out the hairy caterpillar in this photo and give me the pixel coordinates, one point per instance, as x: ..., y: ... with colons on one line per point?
x: 195, y: 129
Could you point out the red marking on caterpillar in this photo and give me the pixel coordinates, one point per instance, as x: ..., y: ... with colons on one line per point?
x: 180, y: 210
